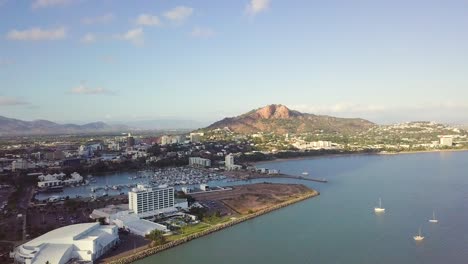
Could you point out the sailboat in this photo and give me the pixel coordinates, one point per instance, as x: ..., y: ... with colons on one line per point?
x: 419, y: 237
x: 379, y: 209
x: 433, y: 220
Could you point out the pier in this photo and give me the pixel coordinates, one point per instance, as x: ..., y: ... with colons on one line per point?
x: 323, y: 180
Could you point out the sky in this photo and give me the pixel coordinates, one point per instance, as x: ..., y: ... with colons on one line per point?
x: 109, y: 60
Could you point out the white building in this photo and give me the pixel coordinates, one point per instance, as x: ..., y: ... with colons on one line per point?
x: 204, y: 187
x: 51, y: 180
x: 21, y: 165
x: 165, y: 140
x: 446, y: 141
x: 196, y: 137
x: 229, y: 161
x: 196, y: 161
x: 313, y: 145
x: 120, y: 216
x: 82, y: 242
x: 137, y: 226
x: 145, y: 198
x: 186, y: 189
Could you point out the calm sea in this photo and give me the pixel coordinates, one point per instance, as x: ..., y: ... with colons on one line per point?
x: 340, y: 225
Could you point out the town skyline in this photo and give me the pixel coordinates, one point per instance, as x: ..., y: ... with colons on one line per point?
x: 77, y: 61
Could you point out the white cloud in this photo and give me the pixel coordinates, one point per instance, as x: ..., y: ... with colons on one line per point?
x: 84, y: 90
x: 179, y: 14
x: 106, y: 18
x: 136, y: 36
x: 37, y: 34
x: 49, y: 3
x: 88, y: 38
x: 147, y: 20
x: 202, y: 32
x: 256, y: 6
x: 11, y: 101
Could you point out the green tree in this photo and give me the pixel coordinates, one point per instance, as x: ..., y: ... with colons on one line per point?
x: 157, y: 237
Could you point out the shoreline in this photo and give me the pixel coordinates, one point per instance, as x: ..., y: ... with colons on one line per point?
x: 358, y: 154
x: 154, y: 250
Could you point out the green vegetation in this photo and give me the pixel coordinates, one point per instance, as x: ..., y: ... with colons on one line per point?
x: 189, y: 230
x: 157, y: 237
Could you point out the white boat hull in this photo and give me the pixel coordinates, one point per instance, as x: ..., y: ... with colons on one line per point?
x: 379, y: 210
x: 418, y: 238
x: 434, y: 221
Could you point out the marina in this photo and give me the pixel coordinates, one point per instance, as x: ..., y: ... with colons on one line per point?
x: 111, y: 184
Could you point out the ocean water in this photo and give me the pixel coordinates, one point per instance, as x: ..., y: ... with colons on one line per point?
x: 340, y: 226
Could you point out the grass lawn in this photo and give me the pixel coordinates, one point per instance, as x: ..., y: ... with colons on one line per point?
x: 188, y: 230
x: 192, y: 229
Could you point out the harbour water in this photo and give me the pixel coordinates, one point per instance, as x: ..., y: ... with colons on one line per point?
x: 340, y: 225
x: 116, y: 183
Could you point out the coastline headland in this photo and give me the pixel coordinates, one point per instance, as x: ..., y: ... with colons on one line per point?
x: 154, y: 250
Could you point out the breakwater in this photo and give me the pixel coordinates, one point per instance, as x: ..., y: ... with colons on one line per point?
x: 154, y: 250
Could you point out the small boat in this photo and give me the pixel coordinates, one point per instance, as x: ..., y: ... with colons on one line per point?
x: 419, y: 237
x: 379, y: 209
x: 305, y: 173
x: 433, y: 220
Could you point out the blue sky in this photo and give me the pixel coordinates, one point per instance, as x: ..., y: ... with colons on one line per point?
x: 83, y: 60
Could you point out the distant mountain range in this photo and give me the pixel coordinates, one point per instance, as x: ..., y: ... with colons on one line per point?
x: 279, y: 119
x: 274, y: 118
x: 10, y: 126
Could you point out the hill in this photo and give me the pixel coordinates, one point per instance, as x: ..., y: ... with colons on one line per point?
x: 10, y: 126
x: 279, y: 119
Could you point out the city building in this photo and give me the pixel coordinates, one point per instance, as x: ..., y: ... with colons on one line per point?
x: 165, y: 140
x: 56, y: 155
x: 137, y: 226
x: 229, y: 163
x: 80, y: 242
x: 201, y: 162
x: 145, y: 198
x: 196, y: 137
x: 446, y: 141
x: 130, y: 141
x: 21, y: 164
x: 51, y: 180
x: 120, y: 216
x: 186, y: 189
x: 313, y: 145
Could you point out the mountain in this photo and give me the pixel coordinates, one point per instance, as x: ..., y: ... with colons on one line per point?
x: 10, y: 126
x: 279, y: 119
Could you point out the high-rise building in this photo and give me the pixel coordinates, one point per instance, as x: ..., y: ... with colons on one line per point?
x: 229, y: 161
x: 145, y: 198
x: 196, y: 137
x: 130, y: 140
x: 165, y: 140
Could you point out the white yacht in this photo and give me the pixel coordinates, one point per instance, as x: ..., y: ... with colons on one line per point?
x: 419, y: 237
x: 305, y: 173
x: 433, y: 220
x: 379, y: 209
